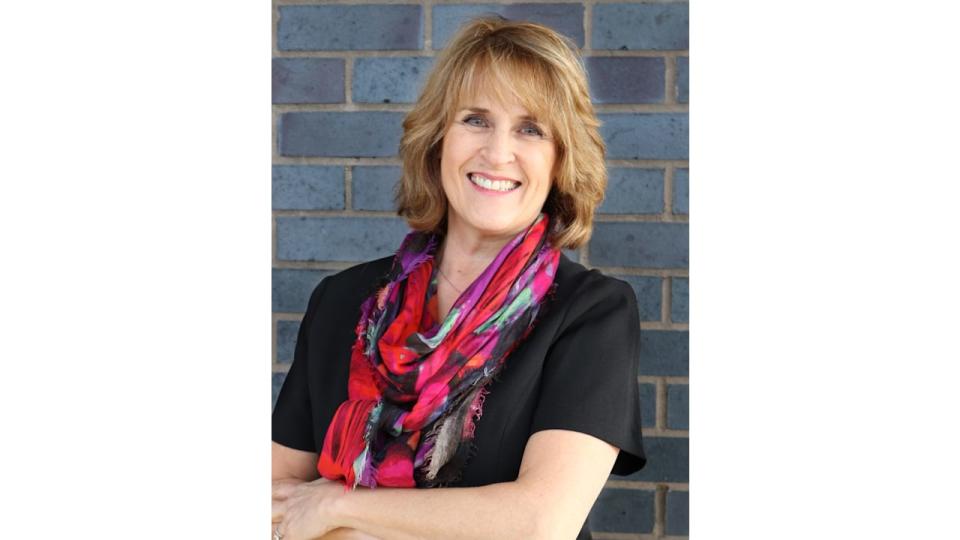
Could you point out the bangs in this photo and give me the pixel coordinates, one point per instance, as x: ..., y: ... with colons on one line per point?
x: 510, y: 77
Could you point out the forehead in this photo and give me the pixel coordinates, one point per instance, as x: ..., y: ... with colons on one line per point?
x: 496, y: 95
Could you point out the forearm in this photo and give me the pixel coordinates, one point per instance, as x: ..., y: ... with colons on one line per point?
x: 506, y: 510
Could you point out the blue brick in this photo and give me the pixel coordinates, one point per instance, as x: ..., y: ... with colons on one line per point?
x: 389, y: 80
x: 647, y: 289
x: 340, y: 134
x: 681, y: 191
x: 634, y: 191
x: 678, y: 406
x: 665, y: 353
x: 683, y: 79
x: 625, y: 80
x: 291, y: 288
x: 572, y: 254
x: 668, y: 460
x: 641, y: 244
x: 646, y: 135
x: 374, y: 187
x: 648, y: 405
x: 350, y: 27
x: 680, y: 299
x: 622, y: 511
x: 678, y: 513
x: 567, y: 19
x: 308, y: 80
x: 306, y: 187
x: 286, y: 340
x: 276, y: 383
x: 641, y: 26
x: 346, y: 239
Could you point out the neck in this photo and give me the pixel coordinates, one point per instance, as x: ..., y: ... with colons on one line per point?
x: 465, y: 254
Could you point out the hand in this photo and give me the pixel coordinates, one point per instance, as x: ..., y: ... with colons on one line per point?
x: 346, y: 533
x: 304, y: 510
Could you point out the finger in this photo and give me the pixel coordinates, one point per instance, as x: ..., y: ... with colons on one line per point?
x: 278, y: 509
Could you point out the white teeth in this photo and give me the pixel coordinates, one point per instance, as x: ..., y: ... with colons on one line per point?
x: 495, y: 185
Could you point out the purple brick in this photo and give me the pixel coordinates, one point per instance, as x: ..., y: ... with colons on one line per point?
x: 683, y: 79
x: 681, y: 191
x: 625, y: 80
x: 347, y: 239
x: 665, y: 353
x: 389, y: 80
x: 374, y: 187
x: 340, y: 134
x: 286, y: 340
x: 647, y: 289
x: 308, y: 80
x: 678, y: 406
x: 648, y: 405
x: 678, y: 513
x: 680, y: 298
x: 641, y: 244
x: 637, y: 26
x: 350, y: 27
x: 291, y: 288
x: 567, y: 19
x: 307, y: 187
x: 622, y: 511
x: 646, y: 135
x: 633, y: 191
x: 668, y: 460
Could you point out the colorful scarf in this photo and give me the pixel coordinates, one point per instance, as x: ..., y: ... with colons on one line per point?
x: 414, y: 396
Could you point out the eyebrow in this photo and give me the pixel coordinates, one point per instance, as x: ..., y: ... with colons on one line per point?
x: 482, y: 110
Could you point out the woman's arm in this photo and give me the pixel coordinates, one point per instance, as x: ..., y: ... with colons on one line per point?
x: 561, y: 474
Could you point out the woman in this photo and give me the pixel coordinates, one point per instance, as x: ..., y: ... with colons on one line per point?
x: 485, y: 364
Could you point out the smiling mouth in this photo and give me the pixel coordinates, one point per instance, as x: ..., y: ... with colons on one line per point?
x: 492, y: 185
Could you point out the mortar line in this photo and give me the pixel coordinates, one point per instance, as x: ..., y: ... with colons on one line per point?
x: 669, y: 379
x: 644, y: 485
x: 670, y: 79
x: 668, y: 192
x: 347, y: 188
x: 666, y: 297
x: 659, y: 510
x: 273, y: 339
x: 428, y: 26
x: 456, y: 2
x: 587, y: 26
x: 381, y: 53
x: 611, y: 108
x: 348, y: 81
x: 661, y: 409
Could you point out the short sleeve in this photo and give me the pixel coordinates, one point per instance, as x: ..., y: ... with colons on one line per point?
x: 589, y: 383
x: 292, y: 422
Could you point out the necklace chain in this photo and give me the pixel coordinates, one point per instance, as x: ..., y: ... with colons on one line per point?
x: 444, y: 276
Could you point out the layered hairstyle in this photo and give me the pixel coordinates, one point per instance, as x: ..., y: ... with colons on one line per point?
x: 539, y: 69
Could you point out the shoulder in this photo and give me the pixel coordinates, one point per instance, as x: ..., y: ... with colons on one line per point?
x: 584, y: 293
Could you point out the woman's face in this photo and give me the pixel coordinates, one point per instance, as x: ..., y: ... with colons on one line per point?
x: 496, y: 168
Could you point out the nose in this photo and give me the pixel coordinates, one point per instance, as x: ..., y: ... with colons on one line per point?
x: 498, y: 149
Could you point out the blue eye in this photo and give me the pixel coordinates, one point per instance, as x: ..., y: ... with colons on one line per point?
x: 475, y: 121
x: 531, y: 129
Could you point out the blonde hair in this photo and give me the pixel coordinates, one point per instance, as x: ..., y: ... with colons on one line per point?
x: 542, y: 71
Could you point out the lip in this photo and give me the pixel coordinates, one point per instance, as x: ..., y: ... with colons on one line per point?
x: 491, y: 192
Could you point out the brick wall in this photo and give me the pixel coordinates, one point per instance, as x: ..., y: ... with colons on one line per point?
x: 344, y: 74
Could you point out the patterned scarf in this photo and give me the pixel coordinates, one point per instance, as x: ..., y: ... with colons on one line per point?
x: 414, y: 396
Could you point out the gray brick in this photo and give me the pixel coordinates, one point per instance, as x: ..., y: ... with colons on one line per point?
x: 276, y: 383
x: 634, y: 26
x: 680, y: 298
x: 668, y: 460
x: 646, y: 135
x: 389, y: 80
x: 678, y: 406
x: 291, y: 288
x: 622, y: 511
x: 567, y: 19
x: 350, y: 27
x: 681, y: 191
x: 648, y: 405
x: 374, y: 187
x: 308, y: 80
x: 641, y: 244
x: 572, y: 254
x: 286, y: 340
x: 625, y: 80
x: 665, y: 353
x: 678, y: 513
x: 647, y: 289
x: 347, y: 239
x: 340, y: 134
x: 634, y: 191
x: 307, y: 187
x: 683, y: 79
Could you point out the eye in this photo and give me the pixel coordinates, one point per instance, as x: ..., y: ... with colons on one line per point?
x: 532, y: 129
x: 475, y: 121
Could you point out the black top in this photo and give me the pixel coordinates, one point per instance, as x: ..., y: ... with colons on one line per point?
x: 576, y: 370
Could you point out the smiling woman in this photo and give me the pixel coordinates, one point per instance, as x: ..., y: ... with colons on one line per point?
x: 479, y: 361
